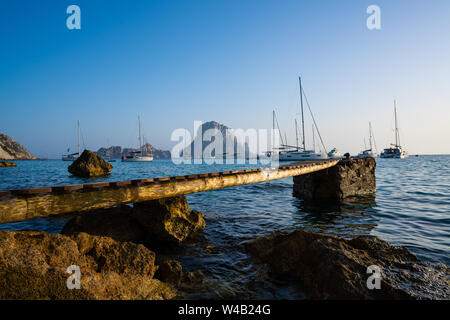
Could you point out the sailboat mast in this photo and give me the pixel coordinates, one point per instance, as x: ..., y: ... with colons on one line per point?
x: 303, y: 119
x: 78, y: 135
x: 140, y: 142
x: 397, y: 138
x: 273, y: 130
x: 314, y: 139
x: 370, y: 136
x: 296, y: 133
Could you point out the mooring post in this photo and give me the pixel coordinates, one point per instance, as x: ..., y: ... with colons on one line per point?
x: 350, y: 177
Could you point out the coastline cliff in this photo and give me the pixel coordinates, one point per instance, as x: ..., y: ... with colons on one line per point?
x: 12, y: 150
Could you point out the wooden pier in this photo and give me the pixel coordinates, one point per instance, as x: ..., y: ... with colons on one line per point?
x: 23, y: 204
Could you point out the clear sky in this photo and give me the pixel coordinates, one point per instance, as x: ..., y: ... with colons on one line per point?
x: 232, y: 61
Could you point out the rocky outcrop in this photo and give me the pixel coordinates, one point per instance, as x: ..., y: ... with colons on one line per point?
x: 12, y: 150
x: 33, y: 265
x: 164, y: 220
x: 115, y: 222
x: 168, y: 219
x: 349, y: 178
x: 7, y: 164
x: 332, y: 268
x: 89, y: 164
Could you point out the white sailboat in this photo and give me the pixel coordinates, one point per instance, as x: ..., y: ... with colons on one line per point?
x: 299, y: 153
x: 396, y: 151
x: 367, y: 153
x: 140, y: 155
x: 73, y: 156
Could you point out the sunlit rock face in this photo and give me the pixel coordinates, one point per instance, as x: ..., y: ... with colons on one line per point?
x: 34, y: 265
x: 89, y: 164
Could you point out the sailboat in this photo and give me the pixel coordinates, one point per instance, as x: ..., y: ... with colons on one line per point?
x: 140, y: 155
x: 73, y: 156
x: 396, y: 151
x: 367, y: 153
x: 299, y: 153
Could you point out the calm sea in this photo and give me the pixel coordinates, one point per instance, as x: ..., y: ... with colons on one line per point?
x: 411, y: 208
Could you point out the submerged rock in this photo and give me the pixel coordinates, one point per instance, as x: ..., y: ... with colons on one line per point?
x: 115, y: 222
x: 34, y: 265
x: 333, y: 268
x: 7, y: 164
x: 89, y: 164
x: 169, y: 219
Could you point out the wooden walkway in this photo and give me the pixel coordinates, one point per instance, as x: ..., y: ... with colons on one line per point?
x: 23, y: 204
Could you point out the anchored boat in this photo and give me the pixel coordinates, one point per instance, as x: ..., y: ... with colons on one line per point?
x: 299, y: 153
x: 369, y: 152
x: 73, y: 156
x: 142, y: 155
x: 396, y: 151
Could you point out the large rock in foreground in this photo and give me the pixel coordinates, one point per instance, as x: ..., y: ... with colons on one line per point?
x: 33, y: 265
x: 168, y: 219
x: 332, y: 268
x: 349, y: 178
x: 89, y: 164
x: 164, y: 220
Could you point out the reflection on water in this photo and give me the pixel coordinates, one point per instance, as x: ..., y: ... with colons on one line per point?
x: 352, y: 218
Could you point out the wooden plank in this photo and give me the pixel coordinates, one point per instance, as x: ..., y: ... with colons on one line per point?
x: 33, y: 204
x: 67, y: 188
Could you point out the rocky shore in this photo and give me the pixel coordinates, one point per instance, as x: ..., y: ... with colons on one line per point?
x: 327, y: 267
x: 111, y: 249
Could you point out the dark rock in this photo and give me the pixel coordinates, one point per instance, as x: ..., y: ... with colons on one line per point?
x: 89, y: 164
x: 332, y: 268
x: 115, y: 222
x: 34, y: 264
x: 349, y: 178
x: 169, y: 219
x: 171, y: 271
x: 7, y: 164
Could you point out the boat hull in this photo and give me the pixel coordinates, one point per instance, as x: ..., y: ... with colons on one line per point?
x: 138, y: 159
x: 300, y: 156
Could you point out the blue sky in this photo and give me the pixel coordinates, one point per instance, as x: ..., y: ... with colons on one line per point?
x: 174, y: 62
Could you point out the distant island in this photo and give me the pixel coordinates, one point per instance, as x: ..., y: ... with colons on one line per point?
x: 117, y: 151
x: 12, y: 150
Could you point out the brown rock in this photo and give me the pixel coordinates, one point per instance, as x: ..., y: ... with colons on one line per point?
x: 7, y: 164
x: 33, y: 265
x: 169, y: 219
x: 354, y: 177
x: 171, y: 271
x: 115, y: 222
x: 89, y: 164
x: 332, y: 268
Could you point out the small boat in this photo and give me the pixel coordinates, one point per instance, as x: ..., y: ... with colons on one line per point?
x: 73, y: 156
x: 396, y: 151
x: 140, y: 155
x: 369, y: 153
x: 335, y: 154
